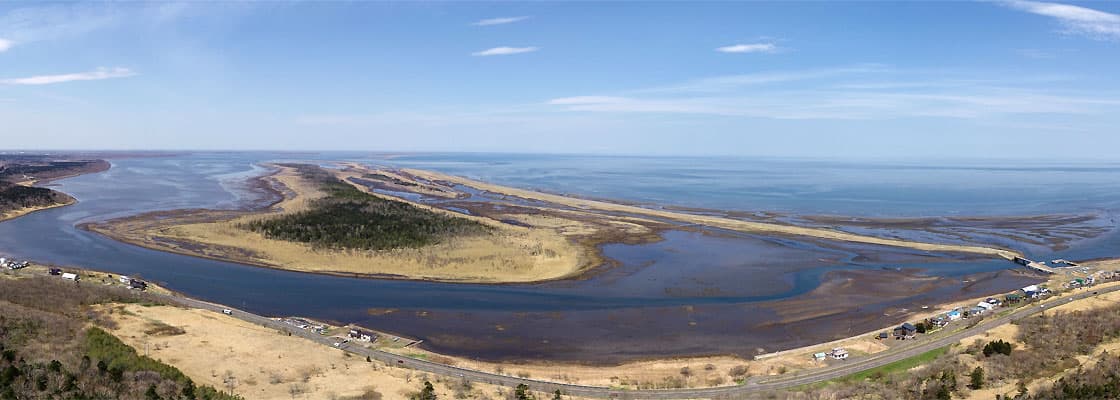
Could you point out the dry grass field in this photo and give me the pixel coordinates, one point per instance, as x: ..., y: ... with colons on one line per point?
x: 259, y: 363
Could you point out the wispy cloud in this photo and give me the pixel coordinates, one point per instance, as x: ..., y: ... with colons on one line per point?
x: 500, y: 21
x: 504, y: 51
x: 749, y: 48
x: 95, y: 75
x: 848, y: 94
x: 1076, y: 19
x: 5, y: 44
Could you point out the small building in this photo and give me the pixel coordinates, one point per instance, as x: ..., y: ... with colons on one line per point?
x: 137, y: 284
x: 360, y: 335
x: 1013, y: 298
x: 124, y: 279
x: 55, y: 271
x: 839, y: 354
x: 884, y: 335
x: 953, y: 315
x: 974, y: 311
x: 1031, y: 288
x: 819, y: 356
x: 993, y: 301
x: 986, y: 306
x: 70, y: 276
x: 1031, y: 295
x: 905, y: 331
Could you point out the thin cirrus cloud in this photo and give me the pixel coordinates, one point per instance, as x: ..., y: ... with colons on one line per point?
x: 5, y: 44
x: 504, y: 51
x: 749, y: 48
x: 95, y: 75
x: 847, y: 94
x: 1076, y: 19
x: 500, y: 21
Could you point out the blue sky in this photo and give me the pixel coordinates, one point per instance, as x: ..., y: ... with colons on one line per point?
x: 805, y: 79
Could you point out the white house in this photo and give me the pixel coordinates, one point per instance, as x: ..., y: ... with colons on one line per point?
x: 839, y: 354
x: 986, y: 306
x: 125, y: 279
x: 70, y: 276
x: 1031, y: 288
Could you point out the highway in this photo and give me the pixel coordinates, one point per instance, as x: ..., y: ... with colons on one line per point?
x: 752, y: 385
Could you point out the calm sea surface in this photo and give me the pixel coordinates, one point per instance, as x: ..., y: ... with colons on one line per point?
x: 716, y: 277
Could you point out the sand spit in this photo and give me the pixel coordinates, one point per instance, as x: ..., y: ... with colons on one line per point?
x: 509, y: 254
x: 725, y: 223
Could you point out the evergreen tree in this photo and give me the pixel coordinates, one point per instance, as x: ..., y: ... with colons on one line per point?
x: 427, y: 393
x: 522, y: 392
x: 976, y: 378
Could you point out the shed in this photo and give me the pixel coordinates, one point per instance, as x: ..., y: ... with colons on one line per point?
x: 986, y: 305
x: 820, y: 356
x: 70, y: 276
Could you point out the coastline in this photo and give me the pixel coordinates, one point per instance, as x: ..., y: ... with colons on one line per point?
x: 512, y: 254
x: 571, y: 229
x: 706, y: 371
x: 726, y: 223
x: 13, y: 214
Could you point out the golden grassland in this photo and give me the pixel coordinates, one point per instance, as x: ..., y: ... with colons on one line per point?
x: 215, y: 349
x: 725, y: 223
x: 509, y: 254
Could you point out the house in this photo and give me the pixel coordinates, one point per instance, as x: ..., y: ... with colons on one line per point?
x: 986, y: 306
x: 361, y: 335
x: 953, y: 315
x: 1032, y: 295
x: 976, y: 311
x: 819, y: 356
x: 993, y: 301
x: 70, y: 276
x: 1031, y: 288
x: 124, y: 279
x: 939, y: 320
x: 137, y: 284
x: 905, y: 331
x: 55, y: 271
x: 884, y: 335
x: 1013, y: 298
x: 839, y: 354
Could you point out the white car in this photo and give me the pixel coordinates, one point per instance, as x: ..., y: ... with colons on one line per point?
x: 227, y: 311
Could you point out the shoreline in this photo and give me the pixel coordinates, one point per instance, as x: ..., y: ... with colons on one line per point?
x: 583, y: 224
x: 13, y: 214
x: 622, y: 375
x: 511, y: 252
x: 718, y: 222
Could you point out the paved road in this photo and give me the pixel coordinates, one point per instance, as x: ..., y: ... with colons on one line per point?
x: 753, y: 385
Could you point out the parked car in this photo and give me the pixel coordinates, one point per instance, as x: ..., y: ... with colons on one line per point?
x: 227, y: 311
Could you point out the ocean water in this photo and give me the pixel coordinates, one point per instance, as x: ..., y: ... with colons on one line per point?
x: 876, y: 189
